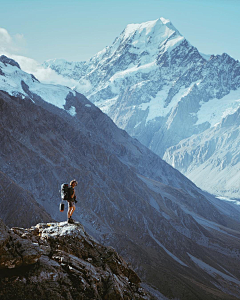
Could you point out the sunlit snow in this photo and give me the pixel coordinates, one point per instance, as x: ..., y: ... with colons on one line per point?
x: 54, y: 94
x: 215, y: 109
x: 157, y: 106
x: 72, y: 111
x: 229, y: 200
x: 12, y: 80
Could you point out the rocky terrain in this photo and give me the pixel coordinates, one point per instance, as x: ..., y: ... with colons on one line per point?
x: 61, y: 261
x: 155, y: 85
x: 181, y: 241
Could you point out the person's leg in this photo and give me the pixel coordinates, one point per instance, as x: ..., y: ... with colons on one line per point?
x: 70, y: 207
x: 72, y: 211
x: 69, y: 210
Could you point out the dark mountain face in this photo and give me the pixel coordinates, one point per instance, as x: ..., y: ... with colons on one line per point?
x: 176, y: 237
x: 18, y: 206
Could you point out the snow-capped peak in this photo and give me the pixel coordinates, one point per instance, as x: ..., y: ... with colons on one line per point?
x: 165, y: 21
x: 143, y: 41
x: 132, y: 28
x: 161, y: 27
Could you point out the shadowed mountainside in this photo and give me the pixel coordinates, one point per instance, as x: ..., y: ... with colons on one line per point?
x: 18, y: 206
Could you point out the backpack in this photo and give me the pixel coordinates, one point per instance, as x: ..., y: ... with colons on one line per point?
x: 64, y: 191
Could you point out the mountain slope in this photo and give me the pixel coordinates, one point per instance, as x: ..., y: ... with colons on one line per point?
x: 180, y: 240
x: 18, y: 206
x: 154, y: 84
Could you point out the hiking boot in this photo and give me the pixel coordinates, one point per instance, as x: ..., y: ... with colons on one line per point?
x: 70, y: 221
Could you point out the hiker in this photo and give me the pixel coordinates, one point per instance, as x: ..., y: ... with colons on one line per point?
x: 71, y: 201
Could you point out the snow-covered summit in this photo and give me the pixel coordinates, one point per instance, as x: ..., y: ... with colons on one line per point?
x: 151, y: 35
x: 150, y: 28
x: 138, y: 48
x: 144, y: 37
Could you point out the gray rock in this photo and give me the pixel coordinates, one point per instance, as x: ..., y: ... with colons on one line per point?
x: 77, y: 267
x: 6, y: 60
x: 16, y: 252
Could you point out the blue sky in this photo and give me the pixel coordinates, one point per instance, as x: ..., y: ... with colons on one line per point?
x: 77, y: 29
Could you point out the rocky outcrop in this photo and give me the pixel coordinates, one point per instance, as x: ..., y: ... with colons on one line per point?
x: 61, y: 261
x: 16, y: 251
x: 6, y: 60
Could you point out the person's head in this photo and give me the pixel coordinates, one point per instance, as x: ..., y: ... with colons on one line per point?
x: 73, y: 183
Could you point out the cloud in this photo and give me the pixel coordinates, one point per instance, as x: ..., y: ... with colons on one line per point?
x: 19, y: 37
x: 5, y: 38
x: 12, y: 46
x: 83, y: 86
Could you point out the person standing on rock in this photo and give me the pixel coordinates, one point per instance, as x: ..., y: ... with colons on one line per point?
x: 71, y: 201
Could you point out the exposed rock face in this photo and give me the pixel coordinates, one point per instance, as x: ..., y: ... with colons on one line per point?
x: 18, y: 206
x: 6, y: 60
x: 60, y: 261
x: 15, y: 251
x: 154, y: 84
x: 179, y: 239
